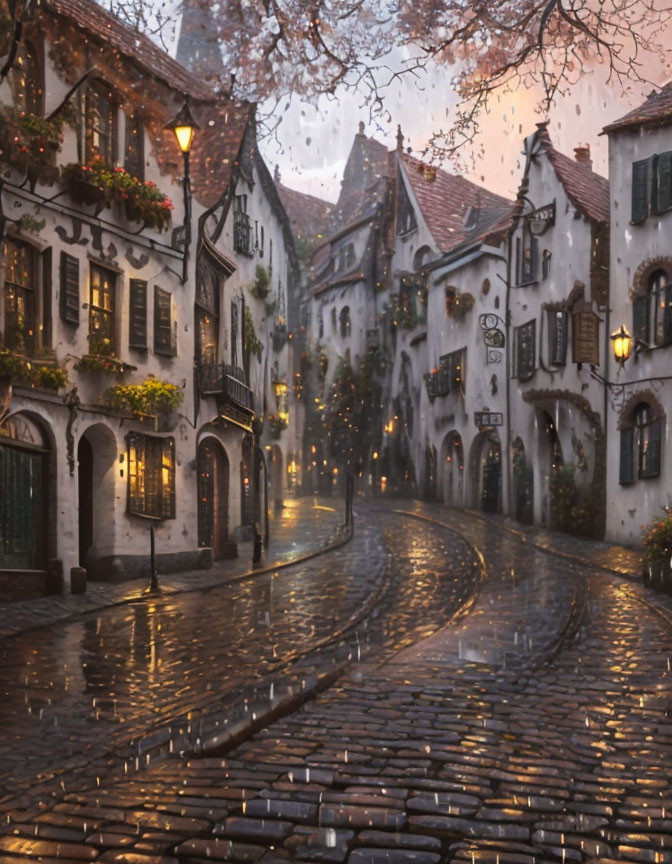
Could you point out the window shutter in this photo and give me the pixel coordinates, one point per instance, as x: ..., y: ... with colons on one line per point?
x: 626, y: 474
x: 557, y: 337
x: 46, y: 299
x: 650, y: 466
x: 640, y: 318
x: 640, y: 188
x: 163, y: 322
x: 663, y: 200
x: 137, y: 331
x: 69, y: 299
x: 586, y: 338
x: 167, y: 474
x: 534, y: 258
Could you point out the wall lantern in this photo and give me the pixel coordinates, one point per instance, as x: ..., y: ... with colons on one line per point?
x: 622, y: 342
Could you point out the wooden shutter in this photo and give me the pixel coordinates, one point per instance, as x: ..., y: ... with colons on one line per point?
x: 167, y: 475
x: 663, y: 198
x: 640, y: 190
x: 46, y: 299
x: 586, y: 337
x: 526, y: 348
x: 137, y: 328
x: 163, y: 322
x: 626, y: 474
x: 650, y: 458
x: 640, y: 318
x: 69, y: 298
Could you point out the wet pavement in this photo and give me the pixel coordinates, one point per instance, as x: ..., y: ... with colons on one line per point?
x: 516, y: 715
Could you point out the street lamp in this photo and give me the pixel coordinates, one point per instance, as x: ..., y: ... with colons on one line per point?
x: 622, y: 343
x: 184, y: 126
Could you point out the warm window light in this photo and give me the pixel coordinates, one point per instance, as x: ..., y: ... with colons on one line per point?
x: 622, y: 342
x: 184, y: 127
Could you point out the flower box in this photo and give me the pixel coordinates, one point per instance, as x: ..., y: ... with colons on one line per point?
x: 102, y: 364
x: 83, y: 192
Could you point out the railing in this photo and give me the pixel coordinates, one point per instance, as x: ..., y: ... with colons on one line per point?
x: 242, y: 233
x: 222, y: 379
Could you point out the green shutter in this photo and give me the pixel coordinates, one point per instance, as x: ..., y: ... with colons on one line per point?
x: 137, y: 331
x: 626, y: 474
x: 640, y: 318
x: 640, y: 190
x: 46, y: 299
x: 663, y: 199
x: 163, y: 322
x: 650, y: 466
x: 69, y: 299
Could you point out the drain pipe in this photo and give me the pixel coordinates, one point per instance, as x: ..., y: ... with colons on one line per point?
x: 507, y: 372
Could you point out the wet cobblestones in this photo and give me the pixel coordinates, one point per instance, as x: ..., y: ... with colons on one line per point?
x: 536, y: 728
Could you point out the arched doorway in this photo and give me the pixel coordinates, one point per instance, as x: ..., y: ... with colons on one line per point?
x: 487, y: 471
x: 96, y: 459
x: 276, y: 476
x: 24, y: 494
x: 429, y: 484
x: 452, y: 469
x: 523, y: 484
x: 554, y: 479
x: 213, y: 497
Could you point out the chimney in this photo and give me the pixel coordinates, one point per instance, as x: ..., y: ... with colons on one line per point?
x: 276, y: 174
x: 400, y: 139
x: 582, y: 155
x: 362, y: 127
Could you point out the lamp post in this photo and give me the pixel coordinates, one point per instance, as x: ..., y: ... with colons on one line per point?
x: 622, y: 344
x: 184, y: 126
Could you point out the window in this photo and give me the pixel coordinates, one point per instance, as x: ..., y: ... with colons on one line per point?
x: 20, y: 292
x: 242, y: 230
x: 546, y: 264
x: 29, y: 87
x: 208, y: 283
x: 651, y: 186
x: 641, y: 445
x: 165, y: 330
x: 345, y: 323
x: 134, y: 161
x: 99, y: 124
x: 526, y: 346
x: 557, y: 336
x: 652, y: 311
x: 102, y: 311
x: 406, y: 221
x: 528, y: 255
x: 320, y: 325
x: 451, y: 373
x: 333, y: 319
x: 586, y: 337
x: 137, y: 328
x: 151, y: 476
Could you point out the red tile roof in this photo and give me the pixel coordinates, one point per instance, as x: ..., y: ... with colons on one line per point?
x: 308, y: 215
x: 588, y: 191
x: 656, y: 111
x: 446, y: 200
x: 96, y: 21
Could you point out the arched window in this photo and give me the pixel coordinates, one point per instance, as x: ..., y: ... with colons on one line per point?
x: 652, y: 311
x: 345, y: 323
x: 641, y: 444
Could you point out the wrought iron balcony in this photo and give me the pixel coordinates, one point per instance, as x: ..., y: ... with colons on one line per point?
x: 223, y: 380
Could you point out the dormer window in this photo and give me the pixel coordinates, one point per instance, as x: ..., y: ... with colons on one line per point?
x: 406, y: 221
x: 99, y: 132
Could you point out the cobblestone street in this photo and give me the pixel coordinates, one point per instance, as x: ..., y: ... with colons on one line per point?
x: 503, y: 697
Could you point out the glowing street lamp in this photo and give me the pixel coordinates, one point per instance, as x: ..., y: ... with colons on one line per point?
x: 184, y: 126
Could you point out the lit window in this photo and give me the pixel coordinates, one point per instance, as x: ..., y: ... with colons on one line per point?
x: 151, y: 476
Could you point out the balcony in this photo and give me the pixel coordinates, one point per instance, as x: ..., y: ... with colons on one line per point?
x: 225, y: 382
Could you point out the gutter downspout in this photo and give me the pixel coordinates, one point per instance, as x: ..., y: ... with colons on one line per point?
x: 507, y: 318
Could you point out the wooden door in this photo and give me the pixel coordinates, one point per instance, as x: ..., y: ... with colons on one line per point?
x: 22, y: 509
x: 213, y: 497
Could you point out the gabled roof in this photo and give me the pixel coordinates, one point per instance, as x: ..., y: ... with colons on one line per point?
x: 588, y: 191
x: 656, y: 111
x: 309, y: 216
x: 96, y: 21
x: 446, y: 202
x: 366, y: 165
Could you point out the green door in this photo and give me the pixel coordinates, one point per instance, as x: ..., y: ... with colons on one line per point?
x: 21, y: 509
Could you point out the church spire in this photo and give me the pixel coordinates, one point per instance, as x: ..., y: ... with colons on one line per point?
x: 198, y: 46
